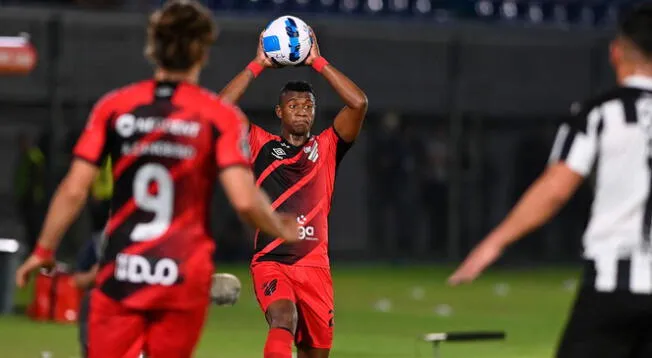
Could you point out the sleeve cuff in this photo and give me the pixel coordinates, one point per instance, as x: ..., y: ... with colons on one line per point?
x: 87, y: 160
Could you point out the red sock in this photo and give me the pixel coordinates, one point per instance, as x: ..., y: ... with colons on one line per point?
x: 279, y: 343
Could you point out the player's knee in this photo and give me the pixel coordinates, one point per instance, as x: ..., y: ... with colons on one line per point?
x: 282, y: 314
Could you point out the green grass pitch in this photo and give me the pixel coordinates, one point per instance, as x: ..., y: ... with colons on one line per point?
x: 532, y: 311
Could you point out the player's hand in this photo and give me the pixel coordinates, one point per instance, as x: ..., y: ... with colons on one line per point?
x: 477, y: 261
x: 314, y: 50
x: 30, y: 265
x: 261, y: 58
x: 290, y: 228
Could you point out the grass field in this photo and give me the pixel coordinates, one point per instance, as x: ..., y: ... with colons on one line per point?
x: 531, y: 305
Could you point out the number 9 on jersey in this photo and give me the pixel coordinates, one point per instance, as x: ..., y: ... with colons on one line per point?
x: 161, y: 202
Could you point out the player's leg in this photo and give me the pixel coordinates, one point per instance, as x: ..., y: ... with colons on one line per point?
x: 600, y: 325
x: 314, y: 336
x: 174, y: 334
x: 281, y: 317
x: 113, y: 331
x: 275, y: 294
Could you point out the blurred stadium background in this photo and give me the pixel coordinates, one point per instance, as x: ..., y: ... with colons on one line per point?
x: 464, y: 101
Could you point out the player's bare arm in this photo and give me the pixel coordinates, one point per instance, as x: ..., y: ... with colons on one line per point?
x: 239, y: 84
x: 68, y: 201
x: 254, y: 206
x: 348, y: 122
x: 545, y: 197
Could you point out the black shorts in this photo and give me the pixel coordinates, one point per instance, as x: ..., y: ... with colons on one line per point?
x: 610, y: 325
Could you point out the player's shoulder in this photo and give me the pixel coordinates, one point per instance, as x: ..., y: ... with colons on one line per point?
x: 330, y: 134
x: 615, y: 93
x: 327, y: 132
x: 202, y: 94
x: 222, y: 113
x: 127, y: 92
x: 588, y: 113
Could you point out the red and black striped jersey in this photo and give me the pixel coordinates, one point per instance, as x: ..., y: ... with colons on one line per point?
x: 167, y: 142
x: 299, y: 180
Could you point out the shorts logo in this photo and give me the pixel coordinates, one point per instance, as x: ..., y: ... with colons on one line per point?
x: 331, y: 321
x: 270, y: 287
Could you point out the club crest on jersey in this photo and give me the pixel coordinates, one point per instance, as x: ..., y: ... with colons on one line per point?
x: 312, y: 152
x: 279, y: 153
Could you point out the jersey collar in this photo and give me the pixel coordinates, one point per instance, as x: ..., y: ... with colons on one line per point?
x: 283, y: 140
x: 639, y: 81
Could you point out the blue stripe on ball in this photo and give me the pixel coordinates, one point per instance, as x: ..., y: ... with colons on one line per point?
x: 271, y: 43
x: 293, y: 34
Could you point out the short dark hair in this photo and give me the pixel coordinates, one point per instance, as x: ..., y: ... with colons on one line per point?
x: 636, y: 26
x: 295, y: 86
x: 180, y: 34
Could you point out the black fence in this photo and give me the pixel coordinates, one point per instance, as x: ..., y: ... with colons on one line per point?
x: 461, y: 119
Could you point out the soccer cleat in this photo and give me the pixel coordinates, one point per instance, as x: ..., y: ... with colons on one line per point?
x: 225, y: 289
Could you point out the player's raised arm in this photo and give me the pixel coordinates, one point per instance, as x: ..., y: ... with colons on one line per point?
x: 234, y: 90
x: 348, y: 122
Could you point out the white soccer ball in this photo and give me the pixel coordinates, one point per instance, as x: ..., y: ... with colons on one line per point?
x: 225, y: 289
x: 286, y: 40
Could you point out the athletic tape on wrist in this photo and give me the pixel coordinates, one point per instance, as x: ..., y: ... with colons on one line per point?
x: 319, y: 63
x: 255, y: 68
x: 43, y: 253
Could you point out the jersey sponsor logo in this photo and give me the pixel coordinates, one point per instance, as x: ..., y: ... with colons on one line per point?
x: 306, y: 232
x: 279, y: 153
x: 138, y: 269
x: 127, y: 125
x: 270, y: 287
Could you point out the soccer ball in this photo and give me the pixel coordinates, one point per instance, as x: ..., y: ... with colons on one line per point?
x: 286, y: 40
x: 225, y: 289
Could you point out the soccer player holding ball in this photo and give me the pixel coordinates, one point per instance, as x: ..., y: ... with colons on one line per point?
x: 168, y: 139
x: 297, y: 169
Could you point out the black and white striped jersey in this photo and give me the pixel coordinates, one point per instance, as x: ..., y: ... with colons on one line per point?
x: 611, y: 136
